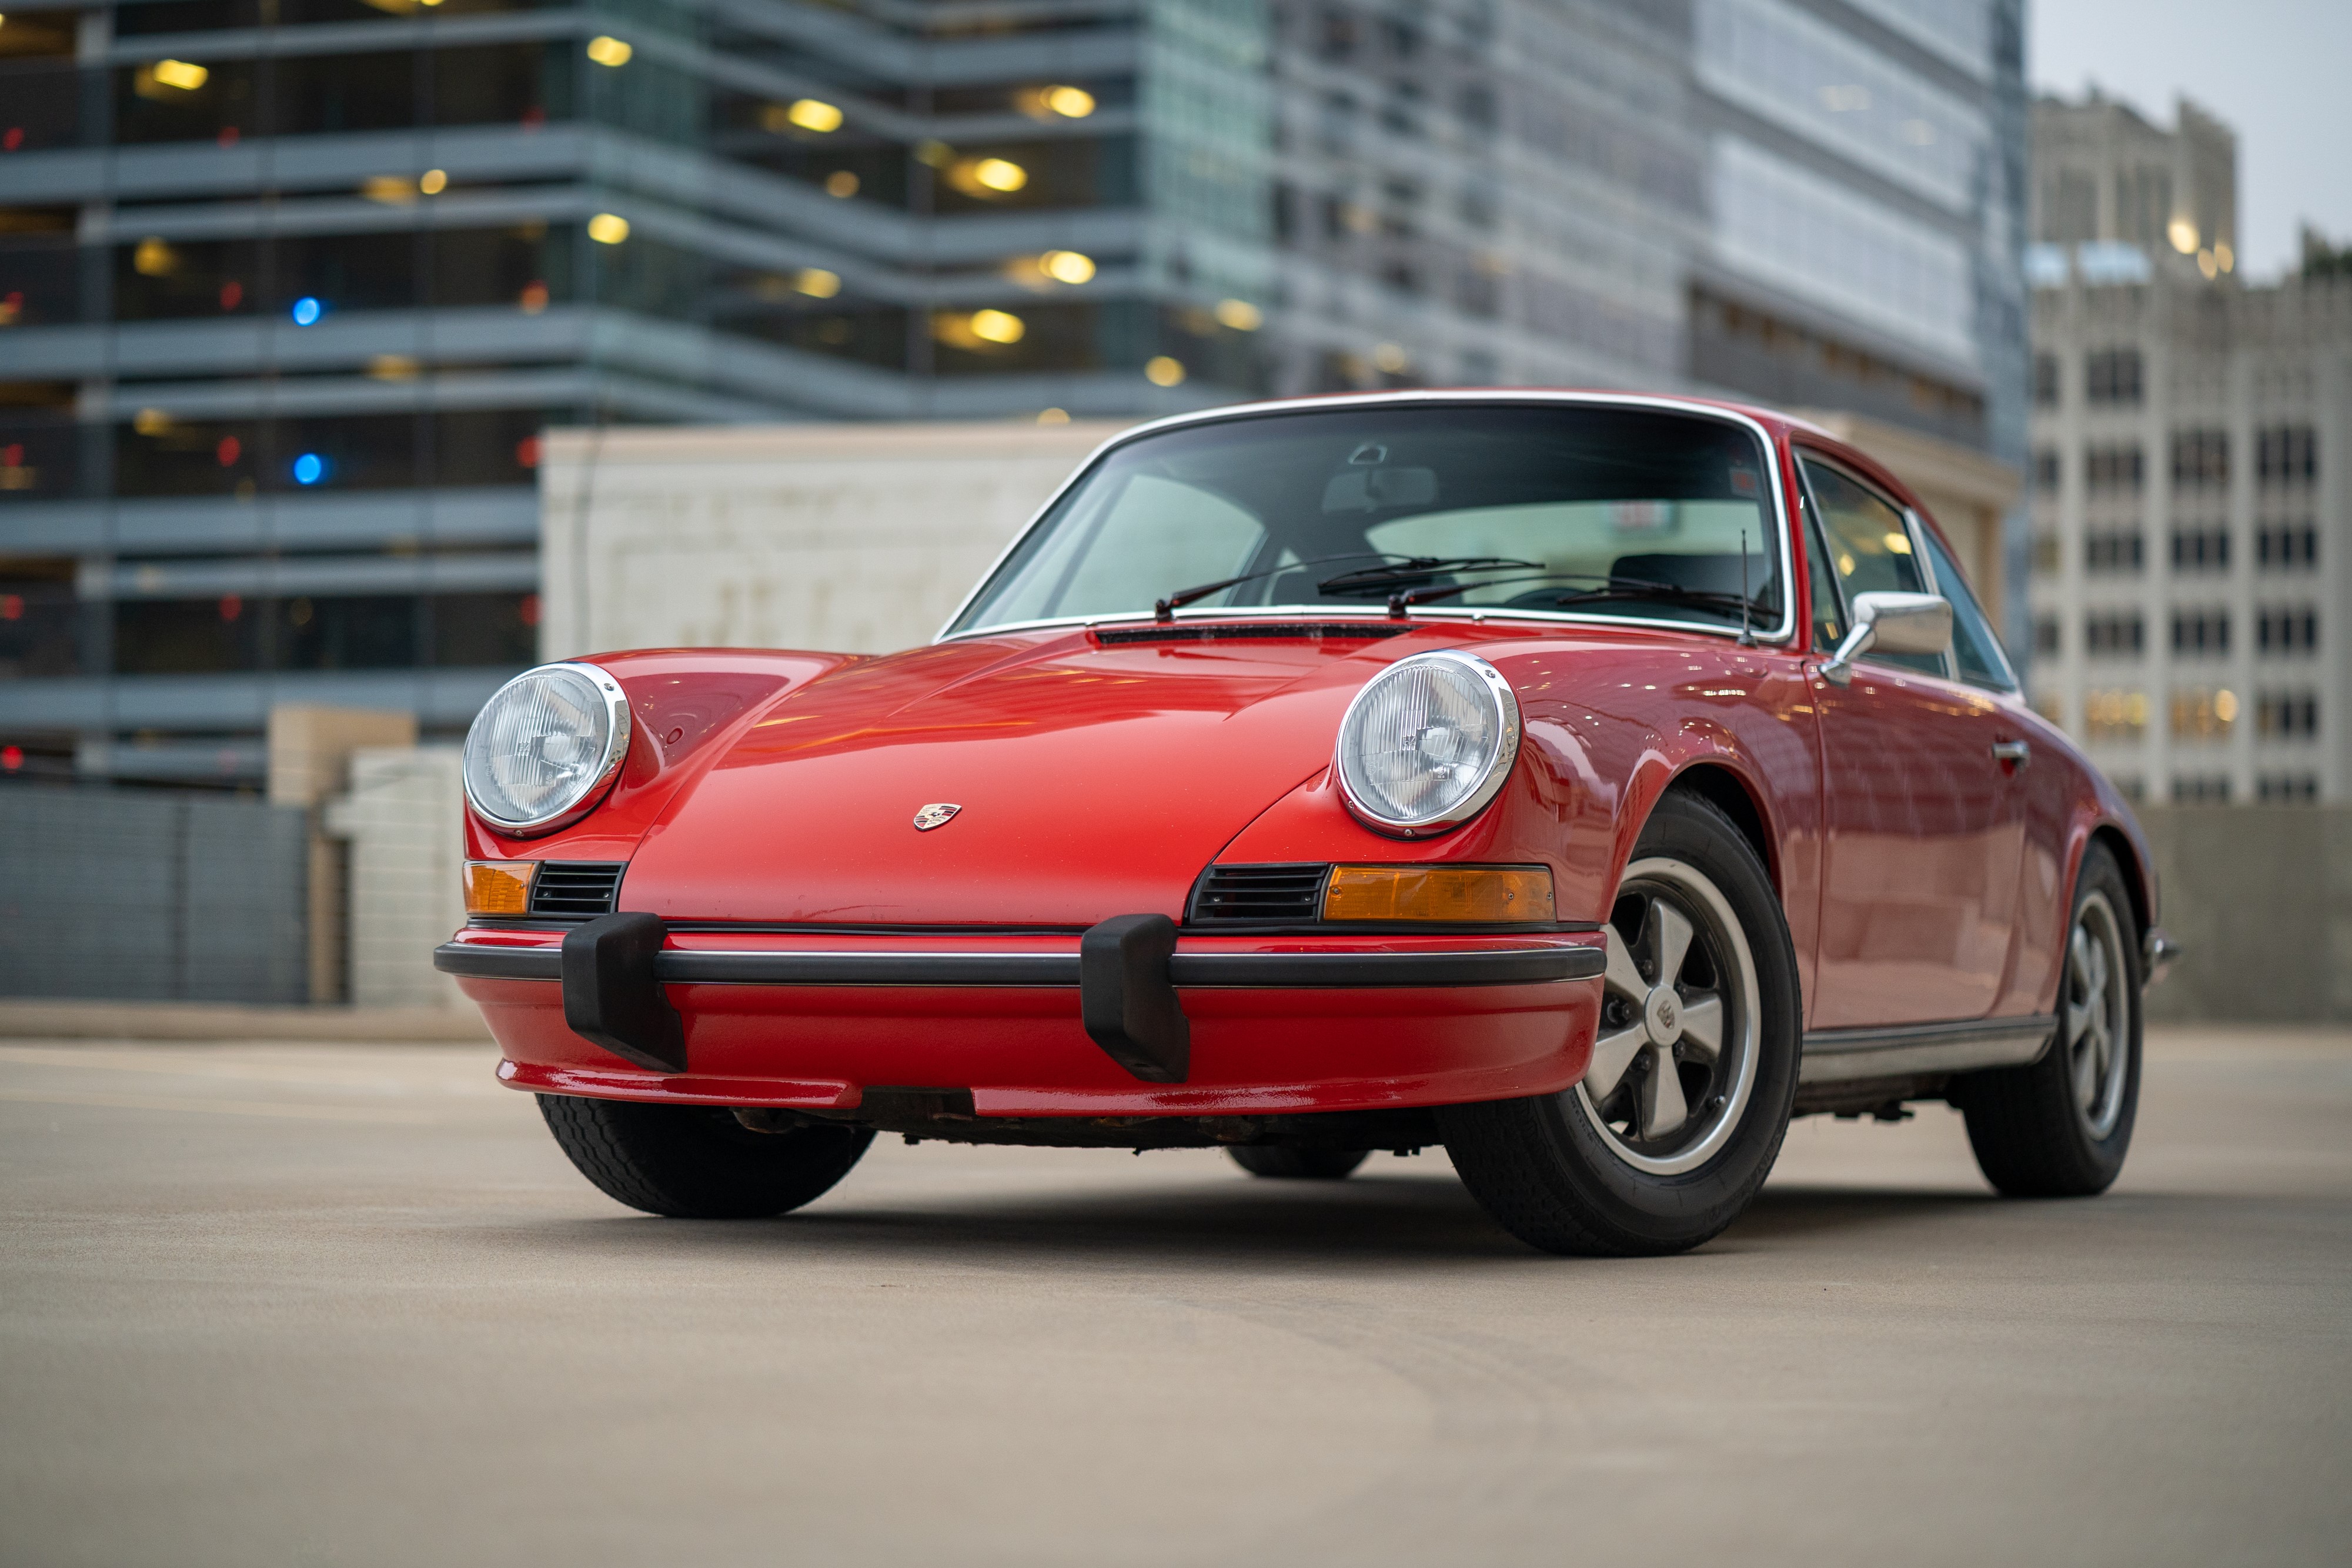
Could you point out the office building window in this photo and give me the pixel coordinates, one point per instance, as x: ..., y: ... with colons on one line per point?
x: 2203, y: 715
x: 2046, y: 633
x: 2046, y: 470
x: 2287, y: 788
x: 2288, y: 547
x: 2115, y: 715
x: 2289, y: 629
x: 2112, y: 377
x: 2045, y: 381
x: 2202, y: 789
x: 2201, y: 548
x: 2201, y: 632
x: 2113, y: 550
x: 2200, y: 457
x: 2107, y: 470
x: 2122, y: 633
x: 2287, y: 455
x: 2287, y: 716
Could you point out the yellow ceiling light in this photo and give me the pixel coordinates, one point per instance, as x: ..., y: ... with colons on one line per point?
x: 390, y: 188
x: 2207, y: 264
x: 841, y: 182
x: 998, y: 326
x: 934, y: 152
x: 1069, y: 102
x: 814, y: 114
x: 2223, y: 254
x: 1898, y: 544
x: 1162, y: 370
x: 1240, y: 315
x: 1390, y: 357
x: 154, y: 258
x: 1066, y: 266
x: 432, y: 181
x: 607, y: 50
x: 608, y: 229
x: 182, y: 74
x: 152, y: 421
x: 393, y: 367
x: 1053, y: 416
x: 2183, y: 234
x: 987, y: 176
x: 817, y: 283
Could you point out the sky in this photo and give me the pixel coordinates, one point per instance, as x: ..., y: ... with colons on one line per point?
x: 2274, y: 70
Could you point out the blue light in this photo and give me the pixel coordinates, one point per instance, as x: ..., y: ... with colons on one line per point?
x: 307, y: 309
x: 310, y: 468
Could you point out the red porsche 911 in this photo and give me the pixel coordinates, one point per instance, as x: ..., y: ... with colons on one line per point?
x: 1585, y: 783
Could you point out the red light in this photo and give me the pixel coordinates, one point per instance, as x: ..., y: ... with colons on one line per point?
x: 227, y: 451
x: 12, y: 607
x: 228, y: 134
x: 231, y: 607
x: 533, y: 117
x: 231, y: 293
x: 14, y: 138
x: 12, y: 456
x: 11, y: 758
x: 527, y: 452
x: 530, y: 610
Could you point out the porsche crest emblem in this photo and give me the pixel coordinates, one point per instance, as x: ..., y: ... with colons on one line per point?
x: 936, y: 815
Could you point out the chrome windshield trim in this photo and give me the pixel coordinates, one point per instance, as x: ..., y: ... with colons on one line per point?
x: 1275, y: 408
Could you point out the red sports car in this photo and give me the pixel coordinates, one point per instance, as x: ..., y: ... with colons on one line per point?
x: 1585, y: 783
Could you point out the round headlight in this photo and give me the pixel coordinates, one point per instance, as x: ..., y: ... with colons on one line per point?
x: 543, y: 750
x: 1427, y: 743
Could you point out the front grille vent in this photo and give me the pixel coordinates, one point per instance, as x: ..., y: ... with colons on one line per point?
x: 1232, y: 893
x: 576, y: 890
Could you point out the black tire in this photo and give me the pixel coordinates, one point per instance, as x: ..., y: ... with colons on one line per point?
x: 697, y: 1162
x: 1298, y: 1164
x: 2032, y: 1134
x: 1546, y: 1169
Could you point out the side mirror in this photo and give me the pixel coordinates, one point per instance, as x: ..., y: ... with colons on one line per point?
x: 1892, y: 623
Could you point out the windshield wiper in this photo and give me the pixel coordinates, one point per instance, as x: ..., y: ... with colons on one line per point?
x: 1613, y: 589
x: 1164, y: 610
x: 1417, y: 568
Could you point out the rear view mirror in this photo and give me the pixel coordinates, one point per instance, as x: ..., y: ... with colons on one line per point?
x: 1368, y: 489
x: 1892, y: 623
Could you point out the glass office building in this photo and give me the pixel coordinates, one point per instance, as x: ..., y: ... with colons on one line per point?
x: 288, y: 288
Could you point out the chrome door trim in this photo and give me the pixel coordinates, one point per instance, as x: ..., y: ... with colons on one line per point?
x: 1840, y: 1055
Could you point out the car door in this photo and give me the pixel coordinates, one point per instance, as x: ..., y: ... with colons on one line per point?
x: 1924, y: 817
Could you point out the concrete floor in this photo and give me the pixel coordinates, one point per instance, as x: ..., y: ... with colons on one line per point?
x: 343, y: 1304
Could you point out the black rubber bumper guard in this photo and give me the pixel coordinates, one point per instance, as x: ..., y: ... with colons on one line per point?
x: 1126, y: 971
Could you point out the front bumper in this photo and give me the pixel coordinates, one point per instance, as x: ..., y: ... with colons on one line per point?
x: 1036, y: 1026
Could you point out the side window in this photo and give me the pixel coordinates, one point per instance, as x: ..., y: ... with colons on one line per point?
x: 1975, y: 649
x: 1869, y: 547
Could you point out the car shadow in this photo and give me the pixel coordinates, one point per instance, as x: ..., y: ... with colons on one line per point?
x: 1392, y: 1220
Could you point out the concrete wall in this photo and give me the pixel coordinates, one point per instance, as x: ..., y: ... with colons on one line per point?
x: 147, y: 895
x: 2262, y: 896
x: 852, y: 538
x: 403, y: 821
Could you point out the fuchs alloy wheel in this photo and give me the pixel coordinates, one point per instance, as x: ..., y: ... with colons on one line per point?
x: 1678, y: 1120
x: 2060, y: 1127
x: 697, y: 1162
x: 1297, y: 1165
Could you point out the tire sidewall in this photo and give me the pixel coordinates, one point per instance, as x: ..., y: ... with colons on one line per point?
x: 1686, y: 1207
x: 2104, y: 1157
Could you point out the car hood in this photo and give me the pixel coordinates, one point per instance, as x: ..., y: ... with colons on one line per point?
x: 1091, y: 781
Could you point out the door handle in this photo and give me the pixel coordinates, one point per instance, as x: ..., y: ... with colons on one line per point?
x: 2016, y: 751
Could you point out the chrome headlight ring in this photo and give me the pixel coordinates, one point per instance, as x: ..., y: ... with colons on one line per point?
x: 546, y: 748
x: 1427, y: 743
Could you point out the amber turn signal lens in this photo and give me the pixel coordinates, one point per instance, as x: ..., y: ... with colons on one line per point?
x: 1438, y: 892
x: 499, y: 887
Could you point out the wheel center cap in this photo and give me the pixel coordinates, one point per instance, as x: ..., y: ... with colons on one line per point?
x: 1661, y: 1014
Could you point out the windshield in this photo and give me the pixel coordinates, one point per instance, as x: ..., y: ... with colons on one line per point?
x: 1548, y: 507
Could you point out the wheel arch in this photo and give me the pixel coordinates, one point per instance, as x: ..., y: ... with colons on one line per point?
x: 2137, y: 883
x: 1723, y: 787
